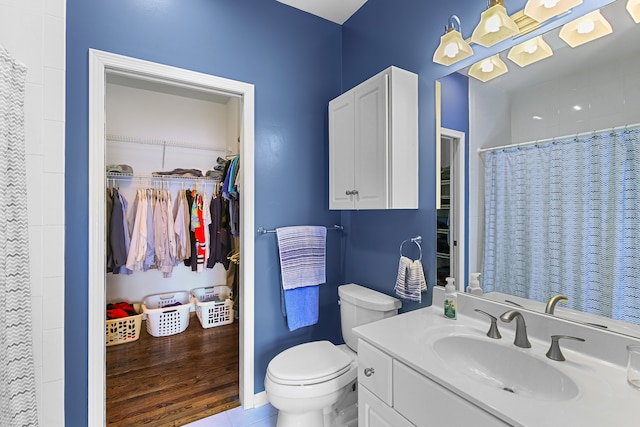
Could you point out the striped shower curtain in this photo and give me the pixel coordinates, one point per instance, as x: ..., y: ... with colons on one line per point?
x: 564, y: 217
x: 17, y: 376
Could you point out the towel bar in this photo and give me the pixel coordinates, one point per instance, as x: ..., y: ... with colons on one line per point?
x: 336, y: 227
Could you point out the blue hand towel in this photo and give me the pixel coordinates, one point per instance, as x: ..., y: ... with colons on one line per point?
x: 302, y: 306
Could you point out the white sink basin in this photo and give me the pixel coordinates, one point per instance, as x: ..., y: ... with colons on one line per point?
x: 507, y: 368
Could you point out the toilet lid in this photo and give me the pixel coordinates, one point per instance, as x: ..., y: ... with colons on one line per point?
x: 309, y: 363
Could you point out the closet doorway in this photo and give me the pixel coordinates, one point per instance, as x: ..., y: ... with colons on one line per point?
x: 105, y: 67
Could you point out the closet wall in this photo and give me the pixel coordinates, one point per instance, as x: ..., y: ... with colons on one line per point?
x: 153, y: 127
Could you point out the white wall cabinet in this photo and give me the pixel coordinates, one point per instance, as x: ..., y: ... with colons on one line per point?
x: 392, y: 394
x: 373, y: 144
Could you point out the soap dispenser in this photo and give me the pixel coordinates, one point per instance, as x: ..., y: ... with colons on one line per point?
x: 450, y: 299
x: 474, y: 285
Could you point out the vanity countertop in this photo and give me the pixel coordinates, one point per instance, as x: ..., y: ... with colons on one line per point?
x: 604, y: 397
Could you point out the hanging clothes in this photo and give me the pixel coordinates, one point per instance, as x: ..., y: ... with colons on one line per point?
x: 119, y: 236
x: 197, y: 225
x: 191, y: 261
x: 181, y: 228
x: 150, y: 253
x: 109, y: 207
x: 161, y: 234
x: 221, y: 244
x: 138, y: 247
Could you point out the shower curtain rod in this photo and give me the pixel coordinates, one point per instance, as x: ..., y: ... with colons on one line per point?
x: 558, y: 138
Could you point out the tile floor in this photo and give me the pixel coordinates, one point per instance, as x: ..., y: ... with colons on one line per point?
x: 264, y: 416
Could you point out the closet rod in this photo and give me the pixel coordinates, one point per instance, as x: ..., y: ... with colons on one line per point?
x: 559, y: 138
x: 163, y: 142
x: 336, y: 227
x: 205, y: 179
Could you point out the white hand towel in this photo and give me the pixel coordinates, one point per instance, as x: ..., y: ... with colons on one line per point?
x: 302, y: 255
x: 401, y: 280
x: 410, y: 281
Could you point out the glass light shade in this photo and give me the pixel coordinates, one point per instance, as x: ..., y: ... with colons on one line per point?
x: 488, y: 68
x: 633, y: 7
x: 585, y: 29
x: 530, y: 51
x: 452, y: 49
x: 541, y: 10
x: 495, y: 25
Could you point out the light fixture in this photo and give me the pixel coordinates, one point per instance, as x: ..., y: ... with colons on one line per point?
x: 495, y: 25
x: 488, y: 68
x: 541, y: 10
x: 453, y: 47
x: 633, y: 7
x: 585, y: 29
x: 531, y: 51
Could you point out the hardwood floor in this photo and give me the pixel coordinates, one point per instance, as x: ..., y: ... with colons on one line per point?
x: 173, y: 380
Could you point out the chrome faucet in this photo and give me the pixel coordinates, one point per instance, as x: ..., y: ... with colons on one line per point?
x: 521, y: 339
x: 551, y: 305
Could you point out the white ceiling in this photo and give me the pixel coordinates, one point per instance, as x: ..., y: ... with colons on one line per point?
x: 337, y: 11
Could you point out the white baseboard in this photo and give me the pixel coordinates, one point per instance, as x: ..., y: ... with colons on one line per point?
x: 260, y: 399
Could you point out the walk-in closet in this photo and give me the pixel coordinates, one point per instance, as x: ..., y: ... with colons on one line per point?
x: 172, y: 170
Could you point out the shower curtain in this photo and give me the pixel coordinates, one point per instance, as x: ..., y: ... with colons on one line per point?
x: 17, y: 377
x: 564, y: 217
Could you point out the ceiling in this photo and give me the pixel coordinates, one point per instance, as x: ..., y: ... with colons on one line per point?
x: 337, y: 11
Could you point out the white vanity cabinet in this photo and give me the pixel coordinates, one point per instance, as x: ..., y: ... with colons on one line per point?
x: 392, y: 394
x: 373, y: 144
x: 375, y: 389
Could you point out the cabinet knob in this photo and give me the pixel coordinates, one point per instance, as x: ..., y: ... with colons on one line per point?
x: 354, y: 192
x: 369, y: 371
x: 348, y: 192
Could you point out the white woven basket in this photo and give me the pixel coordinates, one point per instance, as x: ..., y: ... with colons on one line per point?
x: 214, y: 306
x: 162, y: 320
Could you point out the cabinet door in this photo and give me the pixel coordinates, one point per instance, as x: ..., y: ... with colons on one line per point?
x: 372, y: 412
x: 341, y: 152
x: 371, y: 168
x: 428, y: 404
x: 375, y: 371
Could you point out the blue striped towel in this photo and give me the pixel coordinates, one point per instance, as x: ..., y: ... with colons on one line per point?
x: 302, y: 255
x: 410, y: 282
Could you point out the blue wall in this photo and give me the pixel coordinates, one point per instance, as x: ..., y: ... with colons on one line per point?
x: 294, y: 61
x: 297, y: 63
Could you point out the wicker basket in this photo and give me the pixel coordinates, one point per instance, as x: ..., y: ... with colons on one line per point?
x: 123, y: 330
x: 213, y: 305
x: 163, y: 320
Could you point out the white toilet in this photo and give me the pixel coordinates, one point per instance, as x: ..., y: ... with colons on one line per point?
x: 314, y: 384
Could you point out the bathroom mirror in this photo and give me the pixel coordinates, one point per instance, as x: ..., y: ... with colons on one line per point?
x: 591, y: 87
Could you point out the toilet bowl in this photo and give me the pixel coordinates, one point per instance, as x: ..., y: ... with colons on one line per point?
x: 315, y: 384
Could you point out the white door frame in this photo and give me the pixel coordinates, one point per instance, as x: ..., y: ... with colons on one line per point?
x: 459, y: 167
x: 101, y: 63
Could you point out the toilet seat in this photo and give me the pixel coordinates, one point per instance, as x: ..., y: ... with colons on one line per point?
x: 309, y: 363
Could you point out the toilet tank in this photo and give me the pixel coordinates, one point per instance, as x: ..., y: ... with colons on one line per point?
x: 360, y: 305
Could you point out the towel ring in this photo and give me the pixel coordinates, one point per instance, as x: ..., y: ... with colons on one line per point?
x: 417, y: 240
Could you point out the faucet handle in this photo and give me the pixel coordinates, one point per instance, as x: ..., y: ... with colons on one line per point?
x: 493, y: 329
x: 554, y: 352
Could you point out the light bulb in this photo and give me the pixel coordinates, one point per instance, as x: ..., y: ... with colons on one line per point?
x: 486, y: 66
x: 586, y: 27
x: 493, y: 24
x: 550, y: 3
x: 451, y: 50
x: 531, y: 47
